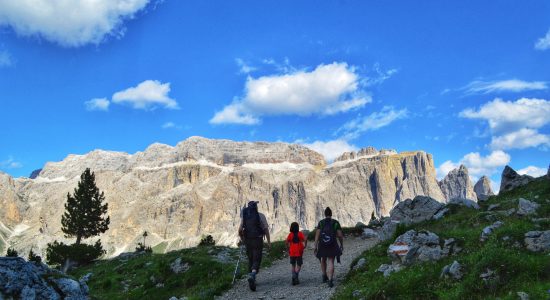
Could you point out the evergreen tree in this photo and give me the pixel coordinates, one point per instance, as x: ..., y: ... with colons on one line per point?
x: 84, y: 210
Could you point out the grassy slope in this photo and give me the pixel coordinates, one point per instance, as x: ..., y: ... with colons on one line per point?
x: 518, y: 268
x: 205, y: 278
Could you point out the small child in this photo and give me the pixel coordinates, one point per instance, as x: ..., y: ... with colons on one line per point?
x: 296, y: 243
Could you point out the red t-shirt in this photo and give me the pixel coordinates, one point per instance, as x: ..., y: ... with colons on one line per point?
x: 296, y: 249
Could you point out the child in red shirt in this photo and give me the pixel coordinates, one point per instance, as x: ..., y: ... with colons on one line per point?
x: 296, y: 243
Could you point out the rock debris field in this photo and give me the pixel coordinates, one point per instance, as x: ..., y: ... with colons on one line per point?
x: 275, y: 282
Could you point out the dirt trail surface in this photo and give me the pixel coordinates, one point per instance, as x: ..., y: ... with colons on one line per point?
x: 275, y: 281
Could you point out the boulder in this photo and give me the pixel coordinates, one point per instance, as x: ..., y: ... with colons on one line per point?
x: 413, y: 246
x: 457, y: 184
x: 537, y: 241
x: 388, y: 229
x: 523, y: 295
x: 388, y: 269
x: 419, y: 209
x: 453, y: 270
x: 369, y: 233
x: 510, y: 179
x: 487, y: 231
x: 178, y: 266
x: 493, y: 206
x: 20, y: 279
x: 483, y: 189
x: 360, y: 263
x: 526, y: 207
x: 450, y: 247
x: 464, y: 202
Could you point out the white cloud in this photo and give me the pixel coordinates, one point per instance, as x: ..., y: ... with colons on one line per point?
x: 70, y: 23
x: 544, y: 42
x: 520, y: 139
x: 532, y: 171
x: 6, y: 59
x: 380, y: 75
x: 10, y: 163
x: 374, y: 121
x: 477, y: 165
x: 327, y: 90
x: 171, y: 125
x: 147, y: 95
x: 331, y: 149
x: 245, y: 68
x: 514, y: 124
x: 511, y: 85
x: 97, y: 104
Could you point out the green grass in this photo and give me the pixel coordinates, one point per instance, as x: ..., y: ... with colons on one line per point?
x: 205, y: 279
x: 518, y: 269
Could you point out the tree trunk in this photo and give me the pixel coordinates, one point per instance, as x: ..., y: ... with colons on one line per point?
x: 78, y: 238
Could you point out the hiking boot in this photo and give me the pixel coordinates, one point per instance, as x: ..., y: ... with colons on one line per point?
x: 330, y: 284
x: 252, y: 282
x: 325, y: 278
x: 294, y: 278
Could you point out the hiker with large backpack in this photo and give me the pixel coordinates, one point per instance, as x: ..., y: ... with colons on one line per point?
x: 252, y: 231
x: 296, y: 242
x: 326, y: 245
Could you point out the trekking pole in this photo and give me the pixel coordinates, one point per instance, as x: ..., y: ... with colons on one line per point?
x: 238, y: 266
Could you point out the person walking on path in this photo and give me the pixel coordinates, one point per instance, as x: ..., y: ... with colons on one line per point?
x: 296, y: 243
x: 252, y: 230
x: 326, y: 246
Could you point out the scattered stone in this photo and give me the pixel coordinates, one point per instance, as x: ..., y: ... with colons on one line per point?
x: 526, y: 207
x: 483, y: 188
x: 440, y: 214
x: 523, y: 295
x: 464, y: 202
x: 356, y: 294
x: 453, y: 270
x: 505, y: 238
x: 388, y: 269
x: 507, y: 213
x: 413, y: 246
x: 537, y: 241
x: 419, y: 209
x: 360, y: 263
x: 369, y: 233
x: 487, y: 231
x: 178, y: 266
x: 159, y: 285
x: 510, y: 179
x: 540, y: 220
x: 450, y: 247
x: 493, y: 206
x: 488, y: 275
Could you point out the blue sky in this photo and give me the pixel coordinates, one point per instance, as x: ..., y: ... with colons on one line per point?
x: 467, y: 81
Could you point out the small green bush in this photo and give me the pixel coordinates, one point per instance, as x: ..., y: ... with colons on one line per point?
x: 207, y: 241
x: 142, y: 248
x: 12, y: 253
x: 34, y: 257
x: 58, y: 253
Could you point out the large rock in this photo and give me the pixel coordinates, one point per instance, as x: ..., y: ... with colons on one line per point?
x: 526, y: 207
x: 197, y: 188
x: 510, y: 179
x: 488, y: 231
x: 24, y: 280
x: 457, y: 184
x: 483, y: 189
x: 412, y: 247
x: 464, y: 202
x: 537, y: 241
x: 454, y: 270
x: 419, y: 209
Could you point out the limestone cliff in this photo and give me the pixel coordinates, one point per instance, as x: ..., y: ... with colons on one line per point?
x: 483, y: 188
x: 457, y: 184
x: 198, y: 187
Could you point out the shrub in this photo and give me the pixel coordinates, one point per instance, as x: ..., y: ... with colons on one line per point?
x: 142, y: 248
x: 12, y: 253
x: 34, y: 257
x: 207, y: 241
x: 58, y: 253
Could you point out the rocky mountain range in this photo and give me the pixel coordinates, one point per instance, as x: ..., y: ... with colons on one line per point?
x: 198, y: 187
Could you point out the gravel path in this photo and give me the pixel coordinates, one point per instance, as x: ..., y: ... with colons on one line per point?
x: 275, y: 281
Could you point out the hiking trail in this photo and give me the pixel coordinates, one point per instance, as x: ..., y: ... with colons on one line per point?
x: 275, y: 282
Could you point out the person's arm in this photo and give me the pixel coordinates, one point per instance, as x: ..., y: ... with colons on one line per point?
x: 317, y: 233
x: 305, y: 240
x: 266, y: 230
x: 340, y: 236
x: 241, y: 230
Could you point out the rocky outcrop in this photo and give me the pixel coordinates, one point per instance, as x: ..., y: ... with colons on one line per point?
x: 415, y: 246
x: 526, y: 207
x: 25, y: 280
x: 488, y: 231
x: 35, y: 173
x: 457, y: 184
x: 464, y: 202
x: 419, y: 209
x: 510, y: 179
x: 483, y: 189
x: 537, y: 241
x: 454, y: 270
x: 198, y: 187
x: 363, y: 153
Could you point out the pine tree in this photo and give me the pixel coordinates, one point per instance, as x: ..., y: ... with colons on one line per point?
x: 84, y: 210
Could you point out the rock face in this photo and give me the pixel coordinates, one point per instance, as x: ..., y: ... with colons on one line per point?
x: 24, y: 280
x: 537, y: 241
x: 482, y: 188
x: 35, y: 173
x: 421, y: 208
x: 457, y: 184
x: 412, y: 247
x: 198, y: 187
x: 510, y: 179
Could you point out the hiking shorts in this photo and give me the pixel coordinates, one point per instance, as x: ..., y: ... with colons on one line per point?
x: 296, y: 260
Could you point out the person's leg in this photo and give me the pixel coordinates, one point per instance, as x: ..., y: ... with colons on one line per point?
x: 249, y: 250
x: 330, y: 270
x: 299, y: 262
x: 324, y: 268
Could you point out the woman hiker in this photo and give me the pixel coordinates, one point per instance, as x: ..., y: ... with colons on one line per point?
x: 296, y: 242
x: 326, y: 246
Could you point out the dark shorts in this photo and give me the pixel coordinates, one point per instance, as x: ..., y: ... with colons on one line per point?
x: 296, y: 260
